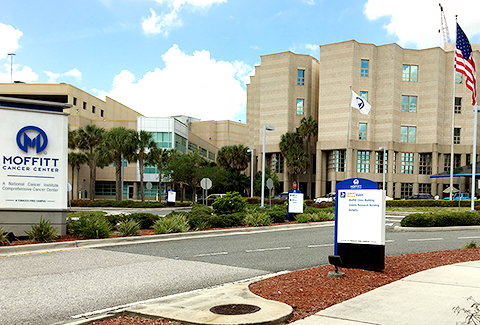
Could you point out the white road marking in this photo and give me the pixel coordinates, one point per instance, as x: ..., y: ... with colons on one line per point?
x: 322, y: 245
x: 266, y: 249
x: 425, y: 239
x: 469, y: 237
x: 389, y: 241
x: 211, y: 254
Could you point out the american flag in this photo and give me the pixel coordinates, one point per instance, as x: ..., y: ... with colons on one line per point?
x: 464, y: 62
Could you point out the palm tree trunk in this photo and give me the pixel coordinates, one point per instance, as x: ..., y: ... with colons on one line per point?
x: 142, y: 194
x: 93, y: 175
x: 118, y: 179
x: 73, y: 181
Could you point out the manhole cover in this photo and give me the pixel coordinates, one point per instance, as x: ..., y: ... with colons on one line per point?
x: 234, y: 309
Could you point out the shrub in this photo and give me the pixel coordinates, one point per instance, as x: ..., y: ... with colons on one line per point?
x: 3, y: 237
x: 42, y: 232
x: 200, y: 218
x: 441, y: 219
x: 472, y: 244
x: 229, y: 220
x: 257, y: 219
x: 277, y: 213
x: 145, y: 220
x: 303, y: 217
x: 229, y: 203
x: 417, y: 220
x: 129, y: 228
x: 472, y: 315
x: 323, y: 215
x: 172, y: 223
x: 89, y: 226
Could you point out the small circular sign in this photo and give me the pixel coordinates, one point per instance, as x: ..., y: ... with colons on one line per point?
x: 269, y: 183
x: 149, y: 185
x: 294, y: 185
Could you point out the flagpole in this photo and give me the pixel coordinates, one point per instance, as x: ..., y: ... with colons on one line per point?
x: 348, y: 133
x: 452, y: 153
x: 474, y: 164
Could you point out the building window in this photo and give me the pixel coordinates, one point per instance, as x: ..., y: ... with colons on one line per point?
x: 101, y: 112
x: 407, y: 163
x: 192, y: 146
x: 409, y: 104
x: 364, y: 68
x: 424, y: 188
x: 381, y: 162
x: 406, y: 190
x: 300, y: 77
x: 458, y: 105
x: 408, y: 134
x: 163, y: 139
x: 93, y: 109
x: 425, y: 163
x: 339, y: 160
x: 84, y: 105
x: 410, y: 73
x: 458, y: 77
x: 394, y: 162
x: 181, y: 144
x: 278, y: 163
x: 364, y: 95
x: 456, y: 135
x: 446, y: 161
x: 300, y: 106
x: 74, y: 101
x: 211, y: 156
x: 363, y: 161
x: 203, y: 152
x: 362, y: 131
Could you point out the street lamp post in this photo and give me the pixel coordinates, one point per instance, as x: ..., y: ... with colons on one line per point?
x: 265, y: 128
x: 384, y: 168
x: 11, y: 66
x: 251, y: 171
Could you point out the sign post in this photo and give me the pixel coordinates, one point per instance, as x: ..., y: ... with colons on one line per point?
x: 206, y: 184
x: 360, y: 224
x: 270, y: 186
x: 295, y: 202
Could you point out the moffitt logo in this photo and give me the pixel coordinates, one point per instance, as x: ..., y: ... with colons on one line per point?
x: 40, y: 140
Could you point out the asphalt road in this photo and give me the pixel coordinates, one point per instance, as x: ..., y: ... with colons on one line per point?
x: 50, y: 288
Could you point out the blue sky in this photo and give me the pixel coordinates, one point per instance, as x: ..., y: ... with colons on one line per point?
x: 194, y: 57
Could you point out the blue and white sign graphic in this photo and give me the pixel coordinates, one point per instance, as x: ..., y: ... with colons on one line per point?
x: 39, y: 140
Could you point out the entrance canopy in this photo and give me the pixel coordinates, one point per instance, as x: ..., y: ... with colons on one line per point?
x: 465, y: 171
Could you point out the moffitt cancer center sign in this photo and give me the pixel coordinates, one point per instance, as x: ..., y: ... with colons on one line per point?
x: 33, y: 166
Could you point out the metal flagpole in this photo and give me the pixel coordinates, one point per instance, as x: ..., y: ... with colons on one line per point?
x: 453, y: 131
x: 348, y: 133
x: 474, y: 159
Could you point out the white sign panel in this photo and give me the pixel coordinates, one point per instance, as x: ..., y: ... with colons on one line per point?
x: 171, y: 195
x: 34, y: 165
x: 361, y: 217
x: 295, y: 202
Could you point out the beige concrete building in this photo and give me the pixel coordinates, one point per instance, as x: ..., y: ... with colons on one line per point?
x: 283, y: 90
x: 412, y: 99
x: 169, y: 132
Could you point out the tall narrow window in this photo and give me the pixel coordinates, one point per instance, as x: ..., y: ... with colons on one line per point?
x: 381, y: 162
x: 425, y: 163
x: 458, y: 105
x: 364, y: 68
x: 84, y: 105
x: 93, y: 109
x: 406, y: 190
x: 456, y: 135
x: 363, y: 161
x: 408, y: 134
x: 362, y: 131
x: 458, y: 77
x: 74, y: 101
x: 300, y: 103
x: 278, y: 163
x: 339, y: 161
x: 300, y: 77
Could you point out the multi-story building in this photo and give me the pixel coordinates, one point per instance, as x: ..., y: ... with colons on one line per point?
x: 169, y: 132
x: 413, y: 103
x: 283, y: 90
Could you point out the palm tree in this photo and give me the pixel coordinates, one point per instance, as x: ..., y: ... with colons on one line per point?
x: 233, y: 157
x: 308, y: 129
x: 143, y: 143
x: 76, y: 159
x: 291, y: 147
x: 118, y: 143
x: 89, y: 139
x: 158, y: 157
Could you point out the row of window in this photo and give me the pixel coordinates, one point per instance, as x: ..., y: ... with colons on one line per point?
x: 409, y: 72
x: 406, y: 162
x: 85, y: 107
x: 408, y: 134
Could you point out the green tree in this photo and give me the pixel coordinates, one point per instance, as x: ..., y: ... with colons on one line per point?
x: 233, y: 157
x: 158, y: 157
x: 142, y: 144
x: 187, y: 168
x: 308, y: 130
x: 118, y: 143
x: 89, y: 139
x: 296, y: 159
x: 257, y: 182
x: 75, y: 160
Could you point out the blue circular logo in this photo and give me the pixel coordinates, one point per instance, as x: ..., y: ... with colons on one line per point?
x: 39, y: 141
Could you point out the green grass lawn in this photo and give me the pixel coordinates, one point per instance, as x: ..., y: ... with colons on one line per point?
x: 427, y: 209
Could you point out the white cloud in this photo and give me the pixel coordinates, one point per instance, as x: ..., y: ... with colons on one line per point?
x: 195, y: 85
x: 165, y: 22
x: 416, y: 23
x: 53, y: 77
x: 24, y: 74
x: 9, y: 40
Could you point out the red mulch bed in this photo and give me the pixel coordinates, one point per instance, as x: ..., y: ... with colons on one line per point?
x: 311, y: 290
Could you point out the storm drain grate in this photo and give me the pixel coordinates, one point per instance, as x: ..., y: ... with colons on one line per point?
x: 234, y: 309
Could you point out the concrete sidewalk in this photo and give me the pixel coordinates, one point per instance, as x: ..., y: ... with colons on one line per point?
x: 427, y: 297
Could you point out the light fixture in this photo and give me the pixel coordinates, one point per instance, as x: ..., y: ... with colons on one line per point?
x: 335, y: 260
